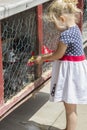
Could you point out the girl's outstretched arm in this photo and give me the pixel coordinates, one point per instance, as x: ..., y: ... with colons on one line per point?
x: 58, y: 54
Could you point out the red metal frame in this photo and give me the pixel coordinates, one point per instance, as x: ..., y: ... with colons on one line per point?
x: 39, y: 36
x: 40, y: 26
x: 1, y: 73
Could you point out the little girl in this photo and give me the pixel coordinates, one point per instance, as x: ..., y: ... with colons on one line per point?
x: 69, y: 73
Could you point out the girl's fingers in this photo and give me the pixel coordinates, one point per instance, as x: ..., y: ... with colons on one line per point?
x: 38, y: 60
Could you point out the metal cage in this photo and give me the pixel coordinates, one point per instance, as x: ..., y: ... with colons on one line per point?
x: 19, y: 35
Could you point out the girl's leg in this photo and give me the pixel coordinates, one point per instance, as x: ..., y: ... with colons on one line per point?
x: 71, y: 116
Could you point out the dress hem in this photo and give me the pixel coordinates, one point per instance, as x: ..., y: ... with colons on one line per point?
x: 68, y: 102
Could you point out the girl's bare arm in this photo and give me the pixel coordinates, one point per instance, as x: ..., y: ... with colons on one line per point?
x: 60, y: 51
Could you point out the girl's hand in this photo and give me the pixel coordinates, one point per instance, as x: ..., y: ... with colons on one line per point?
x: 38, y: 60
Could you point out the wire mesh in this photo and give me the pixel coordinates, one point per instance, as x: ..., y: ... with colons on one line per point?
x: 85, y: 21
x: 85, y: 27
x: 51, y: 36
x: 85, y: 48
x: 18, y: 43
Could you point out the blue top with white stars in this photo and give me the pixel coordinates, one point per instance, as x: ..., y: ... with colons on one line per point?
x: 73, y: 39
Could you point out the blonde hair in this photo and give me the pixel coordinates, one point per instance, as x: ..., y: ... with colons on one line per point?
x: 57, y: 8
x: 71, y: 1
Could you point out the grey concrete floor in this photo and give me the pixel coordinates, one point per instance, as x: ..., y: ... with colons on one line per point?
x: 39, y: 114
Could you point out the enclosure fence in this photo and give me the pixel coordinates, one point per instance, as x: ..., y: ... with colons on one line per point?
x: 22, y: 36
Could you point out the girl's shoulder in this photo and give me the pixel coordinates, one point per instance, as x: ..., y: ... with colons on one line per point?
x: 70, y: 35
x: 71, y: 31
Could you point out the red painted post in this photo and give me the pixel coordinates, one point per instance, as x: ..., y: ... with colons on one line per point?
x: 40, y: 26
x: 1, y: 73
x: 81, y: 5
x: 39, y: 35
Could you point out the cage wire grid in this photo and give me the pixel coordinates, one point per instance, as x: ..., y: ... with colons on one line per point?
x: 18, y: 42
x: 19, y: 38
x: 51, y: 35
x: 84, y: 31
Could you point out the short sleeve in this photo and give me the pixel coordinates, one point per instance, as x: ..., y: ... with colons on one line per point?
x: 65, y: 38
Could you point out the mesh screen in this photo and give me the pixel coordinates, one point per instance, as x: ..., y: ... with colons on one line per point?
x: 19, y: 38
x: 18, y: 43
x: 85, y: 21
x: 85, y: 26
x: 51, y: 35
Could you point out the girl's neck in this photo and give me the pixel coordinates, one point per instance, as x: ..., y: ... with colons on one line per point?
x: 71, y: 25
x: 71, y: 22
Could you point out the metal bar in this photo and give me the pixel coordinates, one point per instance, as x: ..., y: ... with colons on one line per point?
x: 81, y: 5
x: 39, y: 36
x: 1, y: 73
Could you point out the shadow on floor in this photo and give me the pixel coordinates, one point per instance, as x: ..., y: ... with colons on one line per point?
x: 31, y: 125
x: 24, y: 112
